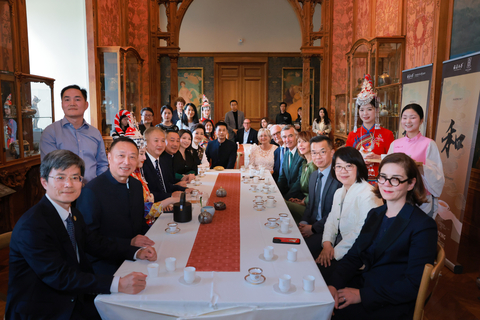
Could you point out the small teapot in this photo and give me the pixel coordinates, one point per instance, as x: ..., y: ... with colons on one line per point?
x: 205, y: 217
x: 221, y: 192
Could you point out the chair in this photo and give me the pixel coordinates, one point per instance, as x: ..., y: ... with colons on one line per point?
x: 428, y: 283
x: 5, y: 240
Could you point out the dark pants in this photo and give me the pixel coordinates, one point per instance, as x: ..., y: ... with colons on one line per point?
x: 85, y: 309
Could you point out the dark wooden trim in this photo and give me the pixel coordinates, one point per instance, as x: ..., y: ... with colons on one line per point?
x: 240, y: 54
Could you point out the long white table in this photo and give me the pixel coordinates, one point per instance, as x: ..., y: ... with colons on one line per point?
x: 223, y: 295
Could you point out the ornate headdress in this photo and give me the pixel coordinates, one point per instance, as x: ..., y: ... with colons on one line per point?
x: 8, y: 102
x: 366, y: 95
x: 132, y: 131
x: 205, y: 103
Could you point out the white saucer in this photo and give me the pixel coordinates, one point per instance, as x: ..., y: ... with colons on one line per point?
x: 280, y: 231
x: 247, y: 278
x: 168, y: 230
x: 275, y: 257
x: 277, y: 289
x: 275, y: 226
x: 260, y: 209
x: 195, y: 282
x: 254, y: 191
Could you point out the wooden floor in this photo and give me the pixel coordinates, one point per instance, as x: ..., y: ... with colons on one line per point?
x: 457, y: 296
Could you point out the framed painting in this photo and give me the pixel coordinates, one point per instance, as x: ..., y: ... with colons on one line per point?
x: 190, y: 85
x: 292, y: 79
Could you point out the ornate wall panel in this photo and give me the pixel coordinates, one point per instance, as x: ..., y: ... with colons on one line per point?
x: 109, y: 23
x: 420, y: 33
x: 386, y: 13
x: 362, y: 21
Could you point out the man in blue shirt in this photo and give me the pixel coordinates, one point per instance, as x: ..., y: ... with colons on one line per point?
x: 75, y: 134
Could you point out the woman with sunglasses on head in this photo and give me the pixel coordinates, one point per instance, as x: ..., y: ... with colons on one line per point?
x: 167, y: 124
x: 380, y: 275
x: 424, y: 150
x: 189, y: 117
x: 351, y: 204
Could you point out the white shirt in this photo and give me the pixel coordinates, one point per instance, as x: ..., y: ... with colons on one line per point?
x: 245, y: 136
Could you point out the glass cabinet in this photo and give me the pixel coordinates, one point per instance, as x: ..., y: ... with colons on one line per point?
x: 120, y: 84
x: 382, y: 58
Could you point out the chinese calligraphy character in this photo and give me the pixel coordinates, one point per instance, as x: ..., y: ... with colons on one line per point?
x: 448, y: 139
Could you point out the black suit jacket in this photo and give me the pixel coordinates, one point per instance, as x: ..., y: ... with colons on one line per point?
x: 154, y: 182
x: 310, y: 213
x: 116, y: 211
x: 393, y: 270
x: 45, y: 278
x: 223, y: 155
x: 276, y: 163
x: 289, y: 179
x: 168, y: 171
x: 252, y: 136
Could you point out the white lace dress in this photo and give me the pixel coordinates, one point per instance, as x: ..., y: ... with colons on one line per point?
x: 259, y: 157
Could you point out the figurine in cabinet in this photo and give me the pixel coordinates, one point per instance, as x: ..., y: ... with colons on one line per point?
x: 35, y: 102
x: 10, y: 125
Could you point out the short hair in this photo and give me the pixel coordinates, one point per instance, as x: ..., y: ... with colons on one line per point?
x: 74, y: 86
x: 415, y: 107
x: 60, y: 159
x: 151, y: 130
x: 219, y: 124
x: 416, y: 196
x: 264, y: 130
x: 122, y: 139
x: 352, y: 156
x: 166, y: 107
x: 233, y: 101
x: 147, y: 109
x: 180, y: 99
x: 283, y: 102
x: 288, y: 127
x: 198, y: 126
x: 321, y: 138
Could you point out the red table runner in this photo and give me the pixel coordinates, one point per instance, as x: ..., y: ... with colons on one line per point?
x: 217, y: 245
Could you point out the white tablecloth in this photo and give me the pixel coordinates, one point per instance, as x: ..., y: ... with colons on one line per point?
x: 223, y: 295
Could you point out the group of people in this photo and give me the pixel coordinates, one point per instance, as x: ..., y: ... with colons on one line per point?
x: 365, y: 210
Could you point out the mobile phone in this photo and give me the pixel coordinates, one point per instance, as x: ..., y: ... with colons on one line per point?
x: 286, y: 240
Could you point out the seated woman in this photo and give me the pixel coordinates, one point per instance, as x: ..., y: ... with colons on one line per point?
x: 209, y: 130
x: 167, y: 124
x: 262, y: 155
x: 189, y: 117
x: 199, y: 144
x: 424, y: 150
x: 351, y: 204
x: 147, y: 118
x: 186, y: 159
x: 297, y: 205
x: 379, y: 277
x: 322, y: 124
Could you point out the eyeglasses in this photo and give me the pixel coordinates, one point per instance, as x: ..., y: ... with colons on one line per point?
x: 394, y: 182
x: 348, y: 167
x: 63, y: 179
x: 320, y: 153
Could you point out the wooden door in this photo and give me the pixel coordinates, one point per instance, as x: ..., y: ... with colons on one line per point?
x: 245, y: 82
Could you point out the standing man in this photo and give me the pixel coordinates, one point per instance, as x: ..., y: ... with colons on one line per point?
x: 321, y: 188
x: 247, y: 134
x: 112, y: 204
x: 75, y: 134
x: 221, y: 152
x: 283, y: 117
x: 234, y: 119
x: 177, y: 115
x: 278, y: 154
x: 50, y: 276
x: 289, y: 178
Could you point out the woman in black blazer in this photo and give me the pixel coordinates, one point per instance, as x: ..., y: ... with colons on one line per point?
x: 186, y: 159
x: 380, y: 275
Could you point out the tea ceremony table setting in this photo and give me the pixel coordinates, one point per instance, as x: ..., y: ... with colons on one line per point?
x: 218, y: 259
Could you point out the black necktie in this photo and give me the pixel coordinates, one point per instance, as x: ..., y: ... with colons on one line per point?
x: 71, y: 231
x: 159, y: 174
x: 318, y: 196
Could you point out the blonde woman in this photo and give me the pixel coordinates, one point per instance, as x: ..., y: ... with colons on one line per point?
x: 262, y: 155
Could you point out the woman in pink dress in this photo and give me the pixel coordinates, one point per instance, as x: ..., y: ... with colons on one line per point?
x: 262, y: 155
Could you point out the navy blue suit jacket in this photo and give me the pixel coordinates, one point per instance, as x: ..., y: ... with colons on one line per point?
x: 289, y: 179
x: 394, y: 269
x: 223, y: 155
x: 154, y: 184
x: 116, y: 211
x: 45, y: 278
x: 252, y: 136
x: 276, y: 164
x: 168, y: 172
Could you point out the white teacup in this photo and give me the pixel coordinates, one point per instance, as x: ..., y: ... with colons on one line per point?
x: 292, y: 254
x: 271, y: 222
x: 247, y: 180
x: 172, y: 226
x: 271, y: 203
x: 268, y: 253
x: 253, y: 187
x: 255, y: 274
x: 283, y: 216
x: 309, y: 283
x: 193, y: 181
x: 284, y: 227
x: 258, y: 198
x: 259, y: 205
x: 170, y: 264
x: 189, y: 274
x: 255, y: 179
x: 152, y: 270
x: 198, y: 182
x: 284, y: 283
x: 195, y: 193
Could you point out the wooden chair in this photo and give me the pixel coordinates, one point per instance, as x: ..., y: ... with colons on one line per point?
x: 428, y: 283
x: 5, y: 240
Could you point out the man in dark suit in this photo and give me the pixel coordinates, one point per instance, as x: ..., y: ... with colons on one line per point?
x: 289, y: 180
x: 50, y: 276
x: 234, y: 120
x: 247, y: 134
x: 221, y: 152
x: 113, y: 203
x: 321, y: 188
x: 166, y: 164
x: 278, y: 154
x: 159, y: 186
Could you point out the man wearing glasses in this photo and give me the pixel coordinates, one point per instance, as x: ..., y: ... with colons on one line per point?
x: 321, y: 188
x: 50, y: 275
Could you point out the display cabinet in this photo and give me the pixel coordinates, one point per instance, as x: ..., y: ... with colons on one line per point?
x: 119, y: 84
x: 383, y: 58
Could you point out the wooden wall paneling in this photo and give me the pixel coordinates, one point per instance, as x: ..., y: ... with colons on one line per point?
x: 91, y: 10
x: 153, y: 62
x: 227, y: 87
x: 471, y: 218
x: 373, y: 19
x: 254, y: 92
x: 22, y: 34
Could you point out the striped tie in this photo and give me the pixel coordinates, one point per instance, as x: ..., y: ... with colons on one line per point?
x: 160, y: 176
x: 71, y: 231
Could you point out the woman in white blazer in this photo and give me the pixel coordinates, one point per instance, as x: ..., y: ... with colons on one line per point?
x: 351, y: 204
